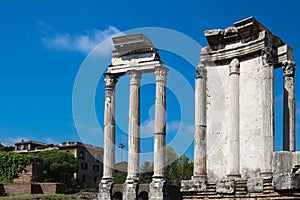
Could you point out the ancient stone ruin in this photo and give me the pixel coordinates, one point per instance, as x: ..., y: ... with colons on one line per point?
x: 134, y: 55
x: 234, y: 117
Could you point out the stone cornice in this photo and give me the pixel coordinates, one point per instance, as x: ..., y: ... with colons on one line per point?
x: 234, y: 51
x: 247, y: 38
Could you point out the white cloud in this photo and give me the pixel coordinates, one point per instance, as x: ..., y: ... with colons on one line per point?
x: 83, y: 42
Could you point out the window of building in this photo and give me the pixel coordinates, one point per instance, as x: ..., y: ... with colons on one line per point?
x: 96, y: 168
x: 18, y: 147
x: 95, y: 179
x: 84, y: 166
x: 81, y: 155
x: 25, y: 146
x: 83, y: 178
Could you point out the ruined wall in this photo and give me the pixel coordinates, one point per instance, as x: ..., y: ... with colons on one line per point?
x: 250, y: 117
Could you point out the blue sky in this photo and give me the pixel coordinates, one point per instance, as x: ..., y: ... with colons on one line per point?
x: 44, y: 43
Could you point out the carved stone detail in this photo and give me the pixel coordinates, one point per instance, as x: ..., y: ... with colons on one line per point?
x: 110, y: 81
x: 161, y: 73
x: 130, y: 190
x: 234, y: 66
x: 135, y: 77
x: 225, y: 186
x: 268, y: 56
x: 255, y: 184
x: 105, y: 189
x: 157, y: 190
x: 289, y: 68
x: 194, y: 185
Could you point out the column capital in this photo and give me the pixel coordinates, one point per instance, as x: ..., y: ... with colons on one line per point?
x: 289, y: 68
x: 268, y: 57
x: 135, y: 77
x: 161, y: 73
x: 234, y: 66
x: 110, y: 80
x: 201, y: 71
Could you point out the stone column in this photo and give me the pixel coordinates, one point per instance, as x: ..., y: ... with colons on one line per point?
x: 107, y: 181
x: 198, y: 181
x: 289, y: 141
x: 200, y: 125
x: 158, y: 180
x: 267, y: 131
x: 131, y: 185
x: 233, y: 133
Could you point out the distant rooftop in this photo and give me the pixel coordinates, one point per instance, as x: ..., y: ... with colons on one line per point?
x: 31, y: 142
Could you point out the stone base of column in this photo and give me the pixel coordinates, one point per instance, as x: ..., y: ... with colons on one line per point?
x: 266, y: 175
x: 225, y: 186
x: 196, y: 184
x: 158, y: 190
x: 105, y: 189
x: 130, y: 191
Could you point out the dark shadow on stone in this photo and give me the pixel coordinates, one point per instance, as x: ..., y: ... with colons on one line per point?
x: 143, y: 195
x: 117, y: 196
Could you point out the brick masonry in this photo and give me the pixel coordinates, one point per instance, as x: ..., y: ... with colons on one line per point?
x: 33, y: 188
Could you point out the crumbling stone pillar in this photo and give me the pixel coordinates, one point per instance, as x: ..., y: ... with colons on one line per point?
x: 233, y: 133
x: 107, y: 181
x: 158, y: 181
x: 131, y: 184
x: 289, y: 140
x: 200, y: 124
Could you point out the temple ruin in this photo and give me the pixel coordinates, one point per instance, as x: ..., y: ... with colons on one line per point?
x: 134, y: 55
x: 234, y: 117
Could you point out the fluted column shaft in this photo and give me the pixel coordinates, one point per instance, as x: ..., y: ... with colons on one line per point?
x: 200, y: 124
x: 289, y: 140
x: 109, y: 126
x: 233, y: 134
x: 160, y: 122
x: 267, y: 143
x: 134, y: 126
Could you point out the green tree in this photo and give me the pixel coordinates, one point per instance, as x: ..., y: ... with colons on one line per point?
x: 146, y: 172
x: 58, y: 166
x: 120, y: 177
x: 177, y: 168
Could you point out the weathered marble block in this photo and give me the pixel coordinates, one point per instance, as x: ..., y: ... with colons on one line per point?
x: 255, y: 184
x: 225, y: 186
x: 287, y: 181
x: 194, y: 185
